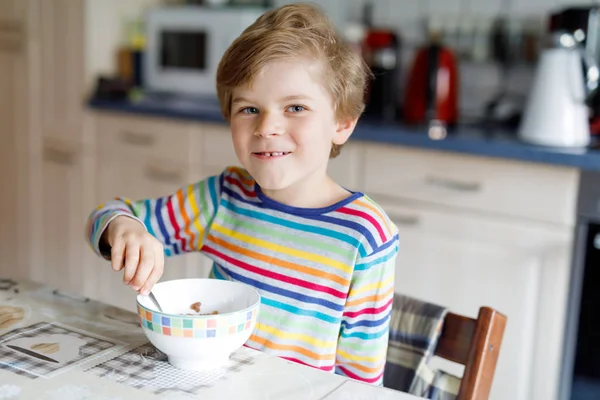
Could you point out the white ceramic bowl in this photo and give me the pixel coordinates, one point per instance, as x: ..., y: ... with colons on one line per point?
x: 199, y: 342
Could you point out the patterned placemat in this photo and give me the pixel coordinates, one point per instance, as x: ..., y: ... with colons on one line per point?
x: 145, y: 367
x: 34, y: 362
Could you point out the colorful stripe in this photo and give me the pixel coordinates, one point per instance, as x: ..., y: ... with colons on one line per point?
x: 326, y: 277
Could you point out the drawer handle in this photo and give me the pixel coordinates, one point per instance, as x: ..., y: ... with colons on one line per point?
x: 165, y: 176
x: 61, y: 157
x: 137, y: 139
x: 8, y: 25
x: 10, y: 43
x: 405, y: 220
x: 452, y: 184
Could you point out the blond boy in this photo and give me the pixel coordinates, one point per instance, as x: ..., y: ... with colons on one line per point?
x: 321, y: 256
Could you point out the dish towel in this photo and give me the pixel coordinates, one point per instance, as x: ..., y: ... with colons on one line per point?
x: 415, y: 328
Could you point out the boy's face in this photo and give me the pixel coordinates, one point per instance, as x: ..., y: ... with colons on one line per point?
x: 283, y: 126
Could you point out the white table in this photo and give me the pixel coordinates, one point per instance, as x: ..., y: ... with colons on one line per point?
x: 114, y: 360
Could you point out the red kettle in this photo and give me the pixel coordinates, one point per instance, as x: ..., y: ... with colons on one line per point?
x: 432, y: 88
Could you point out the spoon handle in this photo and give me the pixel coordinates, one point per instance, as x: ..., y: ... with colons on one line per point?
x: 151, y: 295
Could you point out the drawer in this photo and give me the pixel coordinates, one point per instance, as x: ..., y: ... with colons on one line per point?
x: 505, y: 187
x: 217, y: 147
x: 124, y: 137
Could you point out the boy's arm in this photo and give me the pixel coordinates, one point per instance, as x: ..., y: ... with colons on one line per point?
x: 179, y: 220
x: 363, y: 340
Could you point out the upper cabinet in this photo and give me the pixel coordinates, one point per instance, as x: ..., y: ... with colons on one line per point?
x: 61, y: 68
x: 14, y: 86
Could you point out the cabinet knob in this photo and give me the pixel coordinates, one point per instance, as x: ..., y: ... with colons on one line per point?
x: 405, y: 220
x: 10, y: 43
x: 164, y: 176
x: 11, y: 35
x: 58, y: 156
x: 452, y: 184
x: 137, y: 139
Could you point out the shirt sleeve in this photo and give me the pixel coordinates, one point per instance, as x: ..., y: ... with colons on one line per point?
x: 180, y: 220
x: 363, y: 340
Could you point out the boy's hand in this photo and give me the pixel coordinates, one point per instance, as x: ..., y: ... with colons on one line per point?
x: 134, y: 249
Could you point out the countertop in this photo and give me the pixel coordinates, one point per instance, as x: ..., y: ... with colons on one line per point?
x: 55, y: 345
x: 468, y: 140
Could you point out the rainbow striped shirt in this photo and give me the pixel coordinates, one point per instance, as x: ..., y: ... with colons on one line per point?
x: 326, y: 276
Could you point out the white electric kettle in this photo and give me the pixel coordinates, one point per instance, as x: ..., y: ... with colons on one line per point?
x: 556, y: 113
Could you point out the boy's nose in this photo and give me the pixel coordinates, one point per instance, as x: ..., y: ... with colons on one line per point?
x: 269, y: 125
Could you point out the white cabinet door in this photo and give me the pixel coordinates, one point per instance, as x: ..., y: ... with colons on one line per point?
x: 59, y: 234
x: 13, y: 133
x: 465, y: 262
x: 61, y: 68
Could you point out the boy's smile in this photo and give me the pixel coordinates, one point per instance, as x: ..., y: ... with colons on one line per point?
x: 283, y: 127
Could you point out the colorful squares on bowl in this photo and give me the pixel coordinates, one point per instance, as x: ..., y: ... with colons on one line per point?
x: 211, y: 323
x: 249, y: 315
x: 149, y: 325
x: 176, y: 322
x: 188, y: 323
x: 177, y: 332
x: 248, y: 324
x: 200, y: 323
x: 166, y: 331
x: 240, y: 327
x: 148, y: 315
x: 166, y: 321
x: 157, y: 319
x: 201, y: 334
x: 232, y: 330
x: 188, y: 333
x: 211, y: 333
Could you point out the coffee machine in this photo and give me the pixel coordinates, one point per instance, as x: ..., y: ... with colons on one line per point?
x: 583, y: 23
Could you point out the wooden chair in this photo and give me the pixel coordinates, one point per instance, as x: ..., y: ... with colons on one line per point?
x: 474, y: 343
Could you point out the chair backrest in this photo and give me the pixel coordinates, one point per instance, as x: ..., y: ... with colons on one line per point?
x: 474, y: 343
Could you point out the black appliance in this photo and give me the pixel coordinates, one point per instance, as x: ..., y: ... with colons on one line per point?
x: 580, y: 377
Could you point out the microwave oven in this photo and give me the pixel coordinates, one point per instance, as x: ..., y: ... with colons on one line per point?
x: 184, y: 45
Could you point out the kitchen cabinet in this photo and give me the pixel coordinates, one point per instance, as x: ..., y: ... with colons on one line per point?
x: 58, y: 148
x: 14, y: 88
x: 61, y: 68
x: 518, y: 190
x: 465, y: 260
x: 58, y: 241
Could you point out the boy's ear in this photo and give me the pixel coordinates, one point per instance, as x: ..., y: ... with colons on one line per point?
x: 345, y: 127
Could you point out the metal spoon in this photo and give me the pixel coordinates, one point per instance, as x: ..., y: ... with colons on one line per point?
x: 151, y: 295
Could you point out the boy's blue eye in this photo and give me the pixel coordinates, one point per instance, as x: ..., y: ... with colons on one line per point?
x: 250, y: 110
x: 296, y: 108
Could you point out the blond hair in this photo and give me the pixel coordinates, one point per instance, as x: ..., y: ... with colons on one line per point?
x: 292, y: 31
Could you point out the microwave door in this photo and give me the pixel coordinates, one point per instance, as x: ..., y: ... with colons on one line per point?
x: 183, y: 50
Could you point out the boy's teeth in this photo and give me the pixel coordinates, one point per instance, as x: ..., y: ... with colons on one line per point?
x: 274, y: 154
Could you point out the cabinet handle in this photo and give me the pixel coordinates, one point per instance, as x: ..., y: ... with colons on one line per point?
x: 62, y: 157
x: 452, y: 184
x: 7, y: 25
x: 405, y: 220
x: 165, y: 176
x: 137, y: 139
x: 10, y: 43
